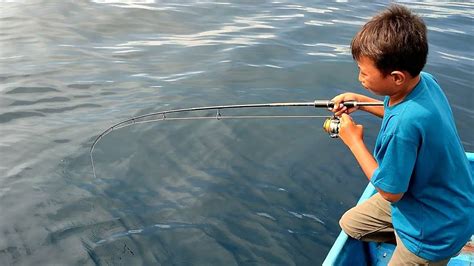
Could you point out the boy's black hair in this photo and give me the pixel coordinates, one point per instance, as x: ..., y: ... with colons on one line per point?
x: 395, y: 39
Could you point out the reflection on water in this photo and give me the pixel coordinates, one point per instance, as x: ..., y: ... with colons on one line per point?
x: 217, y: 192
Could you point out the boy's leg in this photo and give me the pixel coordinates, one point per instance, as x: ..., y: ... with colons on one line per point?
x: 370, y: 221
x: 402, y: 256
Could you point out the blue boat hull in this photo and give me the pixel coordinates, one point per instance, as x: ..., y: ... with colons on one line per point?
x: 348, y: 251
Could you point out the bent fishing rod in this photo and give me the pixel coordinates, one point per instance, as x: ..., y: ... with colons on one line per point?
x: 331, y: 124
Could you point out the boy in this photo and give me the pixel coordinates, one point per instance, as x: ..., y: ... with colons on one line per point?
x: 425, y: 199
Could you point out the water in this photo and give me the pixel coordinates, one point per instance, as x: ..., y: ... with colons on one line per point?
x: 219, y: 192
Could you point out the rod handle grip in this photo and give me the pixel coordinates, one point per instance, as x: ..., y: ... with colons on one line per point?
x: 330, y: 104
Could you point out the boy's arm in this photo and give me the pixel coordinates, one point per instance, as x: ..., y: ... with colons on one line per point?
x: 338, y: 100
x: 375, y: 110
x: 352, y: 135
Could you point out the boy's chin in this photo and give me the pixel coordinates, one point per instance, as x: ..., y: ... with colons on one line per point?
x: 378, y: 93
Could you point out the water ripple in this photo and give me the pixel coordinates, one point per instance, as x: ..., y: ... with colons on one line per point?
x: 266, y: 215
x: 328, y: 49
x: 454, y: 57
x: 46, y: 100
x: 10, y: 116
x: 21, y: 90
x: 148, y: 230
x: 69, y: 108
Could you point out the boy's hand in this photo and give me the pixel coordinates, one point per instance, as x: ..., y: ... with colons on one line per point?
x: 350, y: 133
x: 340, y: 109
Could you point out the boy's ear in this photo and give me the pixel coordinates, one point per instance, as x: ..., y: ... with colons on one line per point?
x: 398, y: 77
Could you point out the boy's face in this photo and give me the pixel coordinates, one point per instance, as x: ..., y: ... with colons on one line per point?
x: 372, y: 79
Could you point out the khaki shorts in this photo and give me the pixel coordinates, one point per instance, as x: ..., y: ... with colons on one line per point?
x: 372, y: 221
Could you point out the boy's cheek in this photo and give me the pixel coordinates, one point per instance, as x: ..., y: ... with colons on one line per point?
x: 364, y: 84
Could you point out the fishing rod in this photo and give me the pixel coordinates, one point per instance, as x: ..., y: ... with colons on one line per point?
x: 331, y: 125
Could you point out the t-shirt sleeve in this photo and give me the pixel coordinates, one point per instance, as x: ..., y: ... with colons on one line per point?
x: 395, y: 170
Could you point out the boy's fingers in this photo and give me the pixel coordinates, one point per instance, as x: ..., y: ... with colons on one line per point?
x: 336, y: 107
x: 339, y: 107
x: 341, y: 111
x: 345, y: 118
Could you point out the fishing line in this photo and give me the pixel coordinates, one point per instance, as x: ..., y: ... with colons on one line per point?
x: 162, y: 116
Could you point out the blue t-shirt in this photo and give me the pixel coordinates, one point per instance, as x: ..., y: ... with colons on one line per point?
x: 419, y: 153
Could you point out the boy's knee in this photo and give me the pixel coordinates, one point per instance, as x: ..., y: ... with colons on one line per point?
x: 347, y: 225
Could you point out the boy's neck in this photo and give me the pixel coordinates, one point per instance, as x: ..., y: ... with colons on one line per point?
x: 404, y: 90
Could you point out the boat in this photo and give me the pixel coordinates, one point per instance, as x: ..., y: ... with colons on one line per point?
x: 349, y: 251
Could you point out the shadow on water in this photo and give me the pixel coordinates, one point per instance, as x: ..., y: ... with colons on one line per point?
x: 206, y: 193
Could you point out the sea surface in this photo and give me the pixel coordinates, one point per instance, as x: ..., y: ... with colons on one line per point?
x: 189, y: 192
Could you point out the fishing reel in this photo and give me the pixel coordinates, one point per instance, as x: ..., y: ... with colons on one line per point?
x: 331, y: 126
